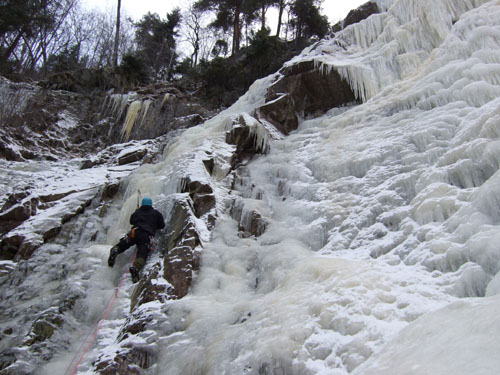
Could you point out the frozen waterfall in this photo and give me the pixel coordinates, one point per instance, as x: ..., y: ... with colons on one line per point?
x: 381, y: 253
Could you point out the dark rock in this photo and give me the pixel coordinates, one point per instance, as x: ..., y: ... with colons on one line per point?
x: 15, y: 217
x: 119, y: 366
x: 86, y: 164
x: 8, y: 154
x: 7, y: 357
x: 27, y: 248
x: 195, y: 187
x: 201, y: 194
x: 87, y: 81
x: 182, y: 257
x: 163, y: 110
x: 249, y: 223
x: 209, y: 165
x: 131, y: 360
x: 303, y: 91
x: 51, y: 233
x: 55, y: 197
x: 44, y: 327
x: 10, y: 246
x: 203, y: 203
x: 244, y: 136
x: 148, y: 290
x: 14, y: 199
x: 281, y: 112
x: 179, y: 269
x: 132, y: 157
x: 362, y: 12
x: 137, y: 326
x: 109, y: 190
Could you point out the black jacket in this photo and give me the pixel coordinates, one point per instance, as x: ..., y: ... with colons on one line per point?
x: 147, y: 219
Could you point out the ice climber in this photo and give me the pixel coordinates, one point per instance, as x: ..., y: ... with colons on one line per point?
x: 145, y: 221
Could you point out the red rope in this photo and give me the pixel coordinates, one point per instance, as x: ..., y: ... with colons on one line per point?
x: 99, y: 324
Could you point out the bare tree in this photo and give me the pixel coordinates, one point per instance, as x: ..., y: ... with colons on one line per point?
x: 195, y: 32
x: 117, y: 35
x: 38, y: 46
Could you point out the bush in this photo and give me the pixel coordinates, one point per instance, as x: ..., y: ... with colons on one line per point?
x: 135, y: 68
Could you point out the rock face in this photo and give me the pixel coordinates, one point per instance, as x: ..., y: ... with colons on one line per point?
x: 303, y: 91
x: 22, y: 244
x: 183, y: 255
x: 87, y: 81
x: 150, y: 112
x: 49, y: 124
x: 46, y: 125
x: 244, y: 134
x: 362, y: 12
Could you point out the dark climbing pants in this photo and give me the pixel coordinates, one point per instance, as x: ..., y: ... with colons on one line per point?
x: 143, y: 241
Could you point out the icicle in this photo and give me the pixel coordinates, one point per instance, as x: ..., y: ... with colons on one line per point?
x: 144, y: 111
x: 132, y: 114
x: 166, y: 98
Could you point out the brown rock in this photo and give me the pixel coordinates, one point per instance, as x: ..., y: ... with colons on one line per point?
x: 44, y: 327
x: 303, y: 91
x: 281, y: 112
x: 179, y: 269
x: 203, y: 203
x: 109, y: 190
x: 14, y: 217
x: 195, y: 187
x: 51, y: 233
x: 27, y: 248
x: 252, y: 224
x: 132, y: 157
x: 245, y: 138
x: 182, y: 257
x: 10, y: 247
x: 148, y: 290
x: 201, y: 194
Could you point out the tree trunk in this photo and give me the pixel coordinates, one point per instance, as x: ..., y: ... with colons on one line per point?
x: 263, y: 17
x: 13, y: 45
x: 280, y: 15
x: 117, y: 35
x: 236, y: 30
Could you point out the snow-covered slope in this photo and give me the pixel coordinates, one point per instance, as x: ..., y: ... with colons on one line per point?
x: 380, y: 254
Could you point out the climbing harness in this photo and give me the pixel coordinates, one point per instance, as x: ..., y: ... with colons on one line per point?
x: 99, y: 324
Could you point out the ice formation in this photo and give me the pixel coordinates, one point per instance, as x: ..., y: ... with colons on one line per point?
x: 381, y: 255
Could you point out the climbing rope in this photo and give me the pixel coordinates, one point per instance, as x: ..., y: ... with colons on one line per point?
x: 99, y: 324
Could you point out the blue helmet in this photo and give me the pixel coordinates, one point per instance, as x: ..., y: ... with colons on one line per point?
x: 146, y: 201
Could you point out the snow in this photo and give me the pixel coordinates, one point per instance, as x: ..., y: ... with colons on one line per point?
x: 381, y: 251
x: 430, y: 345
x: 67, y: 121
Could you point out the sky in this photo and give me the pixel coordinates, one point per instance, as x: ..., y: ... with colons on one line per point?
x: 334, y: 9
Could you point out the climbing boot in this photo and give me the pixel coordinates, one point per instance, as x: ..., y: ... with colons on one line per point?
x: 134, y: 273
x: 113, y: 253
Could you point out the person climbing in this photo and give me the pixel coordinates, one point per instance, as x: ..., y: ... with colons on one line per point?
x: 145, y: 221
